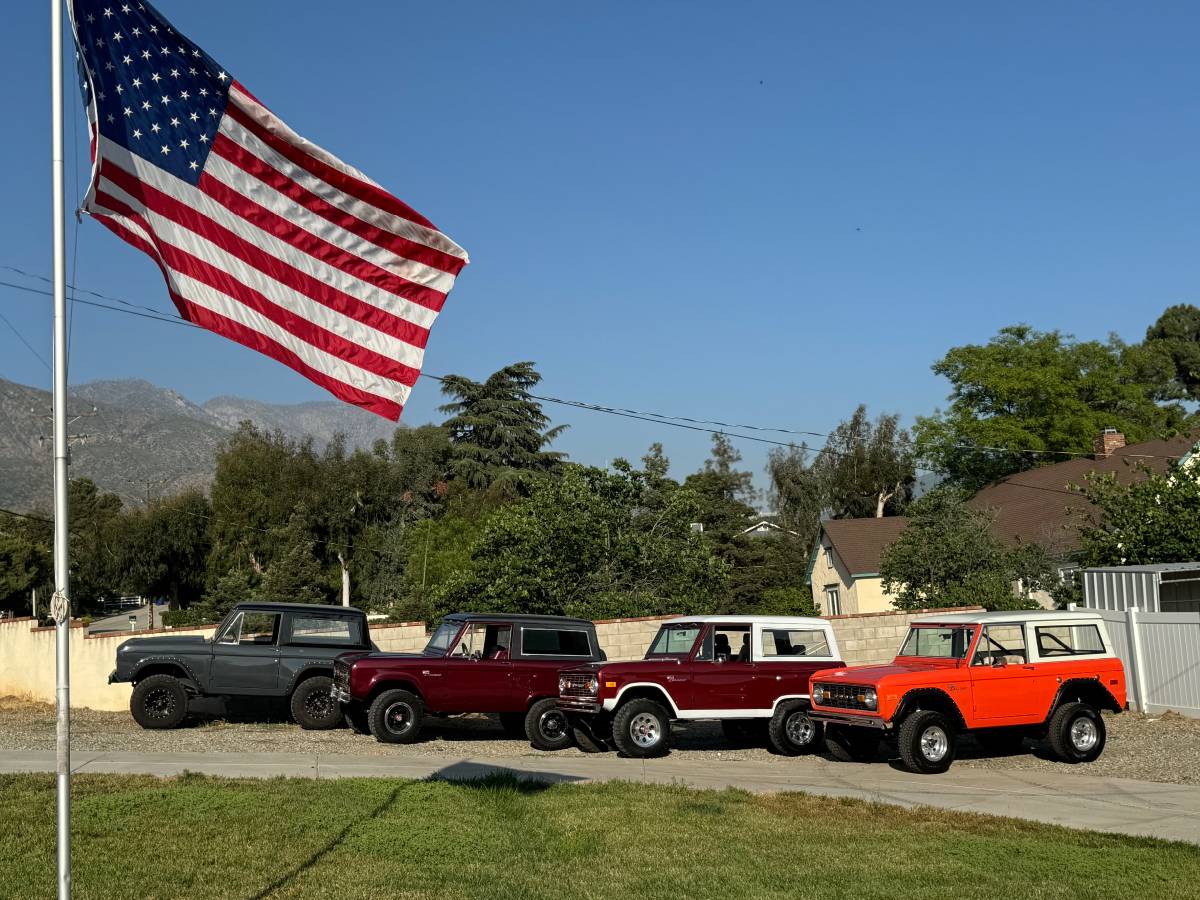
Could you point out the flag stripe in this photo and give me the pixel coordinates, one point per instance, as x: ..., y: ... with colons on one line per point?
x: 319, y: 327
x: 221, y: 294
x: 417, y: 262
x: 322, y: 281
x: 265, y: 126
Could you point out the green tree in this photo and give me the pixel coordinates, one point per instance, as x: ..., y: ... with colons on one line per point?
x: 947, y: 556
x: 498, y: 433
x: 95, y: 549
x: 1041, y: 393
x: 165, y: 548
x: 796, y: 492
x: 25, y: 562
x: 585, y: 544
x: 866, y: 469
x: 1176, y: 335
x: 725, y: 493
x: 234, y: 587
x: 1153, y: 520
x: 295, y: 575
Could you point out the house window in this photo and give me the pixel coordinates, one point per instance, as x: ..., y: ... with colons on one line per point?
x: 833, y: 600
x: 828, y: 556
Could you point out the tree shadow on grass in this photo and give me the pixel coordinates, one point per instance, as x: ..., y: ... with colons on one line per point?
x: 284, y: 880
x: 490, y: 777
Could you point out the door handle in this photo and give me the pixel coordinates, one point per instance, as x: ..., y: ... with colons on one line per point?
x: 1028, y: 668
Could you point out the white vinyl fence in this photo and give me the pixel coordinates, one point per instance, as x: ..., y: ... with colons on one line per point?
x: 1161, y: 653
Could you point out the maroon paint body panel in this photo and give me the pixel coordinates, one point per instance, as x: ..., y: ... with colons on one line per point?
x: 505, y: 677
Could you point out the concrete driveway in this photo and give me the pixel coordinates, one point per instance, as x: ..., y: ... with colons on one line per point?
x: 1118, y: 805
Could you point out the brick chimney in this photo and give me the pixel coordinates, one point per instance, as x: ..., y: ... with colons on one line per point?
x: 1108, y: 441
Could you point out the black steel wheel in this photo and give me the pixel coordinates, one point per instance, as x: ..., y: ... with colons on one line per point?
x: 160, y: 701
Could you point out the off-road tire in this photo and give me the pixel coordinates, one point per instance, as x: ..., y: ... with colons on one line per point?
x: 1001, y: 741
x: 642, y: 729
x: 396, y: 717
x: 851, y: 744
x: 585, y: 739
x: 1076, y: 733
x: 513, y: 724
x: 744, y: 732
x: 160, y: 701
x: 547, y: 726
x: 312, y: 705
x: 791, y: 732
x: 357, y: 719
x: 927, y: 742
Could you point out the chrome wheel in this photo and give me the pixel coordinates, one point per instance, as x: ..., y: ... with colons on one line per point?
x: 801, y: 730
x: 553, y: 724
x: 1084, y: 734
x: 398, y: 718
x: 934, y: 744
x: 645, y: 730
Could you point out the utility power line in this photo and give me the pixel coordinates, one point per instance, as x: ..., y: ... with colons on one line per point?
x: 675, y: 421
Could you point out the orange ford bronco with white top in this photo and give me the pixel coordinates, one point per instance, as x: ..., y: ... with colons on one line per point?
x: 1003, y: 676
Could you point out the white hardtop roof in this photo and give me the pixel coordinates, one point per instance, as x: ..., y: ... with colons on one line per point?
x: 797, y: 621
x: 1017, y: 615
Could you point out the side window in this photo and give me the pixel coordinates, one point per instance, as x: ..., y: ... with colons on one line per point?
x: 731, y: 643
x: 252, y: 628
x: 326, y: 631
x: 789, y: 643
x: 481, y: 641
x: 1068, y: 640
x: 1001, y: 645
x: 555, y: 642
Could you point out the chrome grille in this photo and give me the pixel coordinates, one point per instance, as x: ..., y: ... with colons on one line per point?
x: 341, y: 674
x: 842, y: 696
x: 576, y: 686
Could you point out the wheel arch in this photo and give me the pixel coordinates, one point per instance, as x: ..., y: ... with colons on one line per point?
x: 165, y: 667
x: 646, y: 691
x: 313, y: 671
x: 393, y: 684
x: 1084, y: 690
x: 934, y: 699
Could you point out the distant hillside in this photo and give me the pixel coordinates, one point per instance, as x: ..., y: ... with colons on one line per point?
x: 143, y: 438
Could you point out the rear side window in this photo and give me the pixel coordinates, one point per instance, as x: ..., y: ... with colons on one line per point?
x: 326, y: 631
x: 789, y: 643
x: 1068, y: 640
x: 555, y: 642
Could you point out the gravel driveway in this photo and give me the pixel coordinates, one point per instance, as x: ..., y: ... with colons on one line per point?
x: 1162, y: 748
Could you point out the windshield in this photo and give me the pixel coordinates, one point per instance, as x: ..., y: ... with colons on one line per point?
x: 439, y: 642
x: 941, y: 642
x: 674, y: 640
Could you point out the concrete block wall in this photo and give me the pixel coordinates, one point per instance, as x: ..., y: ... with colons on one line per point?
x: 871, y: 638
x: 623, y: 639
x: 400, y: 637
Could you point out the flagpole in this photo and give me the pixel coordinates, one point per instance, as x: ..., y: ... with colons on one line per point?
x: 60, y: 605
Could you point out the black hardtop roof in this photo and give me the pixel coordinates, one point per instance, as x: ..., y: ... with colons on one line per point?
x: 302, y: 607
x: 518, y: 617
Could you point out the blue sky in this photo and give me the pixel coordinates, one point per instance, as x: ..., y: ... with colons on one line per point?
x: 767, y: 212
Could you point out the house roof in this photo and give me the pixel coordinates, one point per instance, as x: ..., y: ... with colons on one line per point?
x: 860, y: 542
x: 1038, y: 506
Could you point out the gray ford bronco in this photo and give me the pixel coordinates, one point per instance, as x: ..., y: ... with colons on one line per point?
x: 283, y: 650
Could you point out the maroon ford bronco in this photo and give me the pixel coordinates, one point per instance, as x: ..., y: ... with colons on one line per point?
x: 473, y: 663
x: 750, y: 672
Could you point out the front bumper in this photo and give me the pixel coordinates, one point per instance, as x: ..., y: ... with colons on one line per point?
x: 579, y: 705
x: 340, y: 695
x: 113, y: 677
x: 837, y: 718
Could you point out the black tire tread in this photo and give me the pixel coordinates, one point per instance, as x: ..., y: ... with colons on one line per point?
x: 533, y: 731
x: 311, y: 685
x: 153, y: 682
x: 1060, y: 743
x: 908, y: 740
x: 381, y: 703
x: 777, y: 735
x: 621, y: 737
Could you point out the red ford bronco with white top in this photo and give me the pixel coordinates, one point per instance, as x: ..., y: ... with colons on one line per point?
x: 1003, y: 676
x: 747, y: 671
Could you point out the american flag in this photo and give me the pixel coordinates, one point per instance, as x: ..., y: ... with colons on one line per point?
x: 262, y: 236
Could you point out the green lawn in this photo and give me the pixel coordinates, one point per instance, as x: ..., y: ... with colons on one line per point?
x: 140, y: 837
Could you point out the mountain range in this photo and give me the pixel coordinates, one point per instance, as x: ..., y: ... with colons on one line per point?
x: 140, y: 440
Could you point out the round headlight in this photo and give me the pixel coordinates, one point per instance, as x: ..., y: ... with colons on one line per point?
x: 562, y: 685
x: 593, y: 685
x: 818, y: 693
x: 869, y: 698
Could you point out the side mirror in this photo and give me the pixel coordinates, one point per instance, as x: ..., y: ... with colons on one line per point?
x: 999, y: 663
